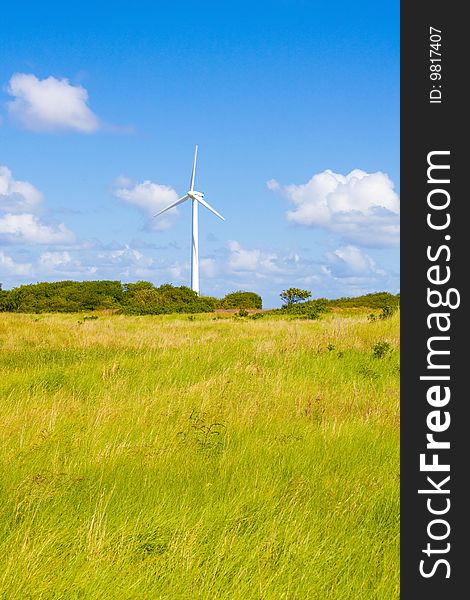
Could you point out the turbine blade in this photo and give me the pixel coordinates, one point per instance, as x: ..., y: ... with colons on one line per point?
x: 209, y: 207
x: 191, y: 185
x: 185, y: 197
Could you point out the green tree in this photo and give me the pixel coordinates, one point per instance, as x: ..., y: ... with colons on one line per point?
x: 294, y: 295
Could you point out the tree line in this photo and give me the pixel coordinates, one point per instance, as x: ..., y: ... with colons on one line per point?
x: 137, y: 298
x: 143, y: 298
x: 296, y: 303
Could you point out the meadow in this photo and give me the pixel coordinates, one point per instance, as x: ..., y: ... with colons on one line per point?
x: 199, y: 458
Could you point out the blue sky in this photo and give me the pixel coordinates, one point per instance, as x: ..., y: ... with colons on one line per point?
x: 294, y: 106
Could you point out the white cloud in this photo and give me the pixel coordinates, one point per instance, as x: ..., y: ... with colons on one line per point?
x: 26, y: 228
x: 54, y: 260
x: 8, y: 265
x: 241, y: 259
x: 263, y: 263
x: 129, y: 256
x: 346, y: 271
x: 257, y: 260
x: 148, y: 197
x: 50, y: 104
x: 17, y: 196
x: 273, y: 185
x: 125, y: 262
x: 63, y: 264
x: 208, y: 267
x: 363, y: 208
x: 179, y: 272
x: 349, y: 261
x: 123, y: 182
x: 18, y: 224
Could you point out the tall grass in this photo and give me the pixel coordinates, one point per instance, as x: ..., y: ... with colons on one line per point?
x: 162, y: 458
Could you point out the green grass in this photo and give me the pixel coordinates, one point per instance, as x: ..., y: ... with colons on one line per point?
x: 163, y: 458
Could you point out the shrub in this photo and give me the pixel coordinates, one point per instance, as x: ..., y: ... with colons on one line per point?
x: 375, y: 300
x: 387, y: 311
x: 210, y: 301
x: 312, y: 309
x: 310, y: 313
x: 143, y: 298
x: 137, y: 298
x: 63, y: 296
x: 241, y: 300
x: 381, y: 349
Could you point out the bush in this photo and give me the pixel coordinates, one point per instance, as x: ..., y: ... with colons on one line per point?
x: 312, y: 309
x: 210, y: 301
x: 142, y: 298
x: 381, y: 349
x: 6, y: 303
x: 375, y: 300
x: 310, y: 313
x: 241, y: 300
x: 387, y: 311
x: 63, y: 296
x: 137, y: 298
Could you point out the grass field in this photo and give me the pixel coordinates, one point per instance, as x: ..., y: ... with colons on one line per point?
x: 167, y: 458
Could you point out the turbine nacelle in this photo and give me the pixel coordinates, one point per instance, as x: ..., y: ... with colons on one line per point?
x: 195, y: 195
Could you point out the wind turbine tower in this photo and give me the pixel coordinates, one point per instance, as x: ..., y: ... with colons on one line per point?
x: 196, y: 198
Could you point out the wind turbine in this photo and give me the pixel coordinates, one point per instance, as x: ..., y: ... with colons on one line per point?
x: 196, y: 198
